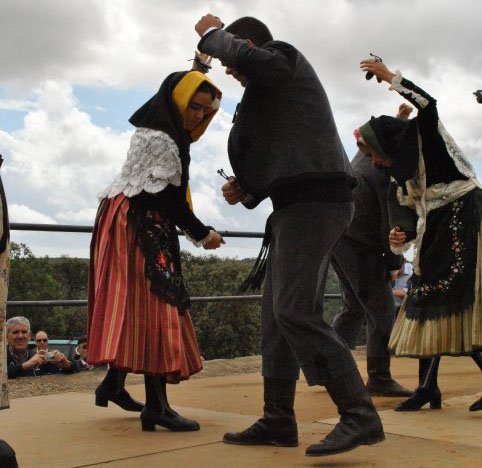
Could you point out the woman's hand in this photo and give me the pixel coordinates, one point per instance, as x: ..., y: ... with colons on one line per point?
x: 404, y: 111
x: 397, y: 237
x: 379, y: 69
x: 214, y: 242
x: 232, y: 192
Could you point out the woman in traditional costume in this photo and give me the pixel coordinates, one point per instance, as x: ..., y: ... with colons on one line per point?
x: 4, y: 274
x: 138, y: 304
x: 438, y: 209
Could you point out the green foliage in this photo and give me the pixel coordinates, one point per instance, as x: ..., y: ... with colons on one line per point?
x: 224, y: 329
x: 35, y: 279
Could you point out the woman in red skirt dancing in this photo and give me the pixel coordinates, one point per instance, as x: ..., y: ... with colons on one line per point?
x: 138, y: 304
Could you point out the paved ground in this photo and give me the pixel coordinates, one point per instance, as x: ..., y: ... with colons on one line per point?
x: 66, y: 430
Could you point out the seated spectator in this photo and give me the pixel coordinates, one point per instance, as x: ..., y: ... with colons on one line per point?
x: 54, y: 356
x: 400, y: 284
x: 81, y: 354
x: 25, y: 362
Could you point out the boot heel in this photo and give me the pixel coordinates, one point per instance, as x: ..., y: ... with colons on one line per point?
x: 436, y: 403
x: 101, y: 400
x: 148, y: 426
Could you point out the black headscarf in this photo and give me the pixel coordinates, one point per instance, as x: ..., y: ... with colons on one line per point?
x: 161, y: 113
x: 394, y: 139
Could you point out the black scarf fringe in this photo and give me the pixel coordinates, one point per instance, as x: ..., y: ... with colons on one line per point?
x: 255, y: 278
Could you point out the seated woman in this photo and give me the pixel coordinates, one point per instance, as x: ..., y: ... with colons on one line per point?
x: 441, y: 314
x: 138, y: 304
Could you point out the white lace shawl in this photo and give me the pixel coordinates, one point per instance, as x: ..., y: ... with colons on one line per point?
x: 152, y: 163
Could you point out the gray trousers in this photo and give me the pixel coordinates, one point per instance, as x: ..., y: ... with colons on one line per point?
x: 366, y: 295
x: 294, y: 332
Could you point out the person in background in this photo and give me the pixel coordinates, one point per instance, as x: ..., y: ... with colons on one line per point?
x: 25, y: 362
x: 363, y: 261
x: 400, y: 283
x: 4, y: 275
x: 8, y: 458
x: 7, y: 454
x: 56, y: 360
x: 284, y: 145
x: 80, y: 356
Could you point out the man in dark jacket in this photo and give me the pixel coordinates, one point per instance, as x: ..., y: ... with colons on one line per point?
x: 284, y: 145
x: 25, y: 362
x: 363, y: 261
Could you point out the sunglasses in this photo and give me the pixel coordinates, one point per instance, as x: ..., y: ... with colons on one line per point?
x: 42, y: 341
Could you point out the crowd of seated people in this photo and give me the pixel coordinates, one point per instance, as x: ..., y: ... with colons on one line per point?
x: 23, y: 361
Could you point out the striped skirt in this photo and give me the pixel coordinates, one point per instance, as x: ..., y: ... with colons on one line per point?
x: 455, y: 335
x: 129, y: 326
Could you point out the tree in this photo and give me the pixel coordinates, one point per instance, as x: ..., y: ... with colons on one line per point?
x: 32, y: 279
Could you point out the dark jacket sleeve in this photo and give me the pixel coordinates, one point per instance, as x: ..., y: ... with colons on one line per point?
x: 439, y: 165
x: 14, y: 371
x: 266, y: 65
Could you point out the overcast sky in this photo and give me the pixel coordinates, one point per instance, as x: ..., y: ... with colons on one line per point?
x: 73, y: 71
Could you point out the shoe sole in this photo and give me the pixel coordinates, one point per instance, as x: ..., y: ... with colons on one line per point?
x: 348, y: 449
x: 275, y: 444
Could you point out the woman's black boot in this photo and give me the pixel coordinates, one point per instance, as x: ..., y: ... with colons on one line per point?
x: 278, y: 424
x: 112, y: 389
x: 428, y: 390
x: 157, y: 411
x: 477, y: 405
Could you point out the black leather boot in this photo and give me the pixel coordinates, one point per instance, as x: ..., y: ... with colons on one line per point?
x: 112, y: 389
x: 428, y: 390
x: 380, y: 381
x: 477, y: 405
x: 359, y: 422
x: 157, y: 411
x: 278, y: 424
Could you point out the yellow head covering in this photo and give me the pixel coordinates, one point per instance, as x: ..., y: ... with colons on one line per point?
x: 183, y: 94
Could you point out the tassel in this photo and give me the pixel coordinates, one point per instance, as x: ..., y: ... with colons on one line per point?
x: 256, y: 276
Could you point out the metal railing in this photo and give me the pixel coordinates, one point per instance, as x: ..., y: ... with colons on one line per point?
x: 88, y: 229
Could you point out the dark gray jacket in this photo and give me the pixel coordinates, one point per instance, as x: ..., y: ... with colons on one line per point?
x: 284, y: 130
x: 370, y: 226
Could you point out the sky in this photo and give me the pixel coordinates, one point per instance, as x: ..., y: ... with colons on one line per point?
x: 73, y: 72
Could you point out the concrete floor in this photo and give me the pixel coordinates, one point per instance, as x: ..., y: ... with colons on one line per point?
x: 67, y: 430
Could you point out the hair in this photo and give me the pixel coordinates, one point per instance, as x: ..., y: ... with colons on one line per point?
x: 206, y: 87
x: 82, y: 339
x: 17, y: 321
x: 250, y: 28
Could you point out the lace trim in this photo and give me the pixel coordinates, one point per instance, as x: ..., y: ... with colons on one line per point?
x: 201, y: 242
x: 152, y: 163
x: 456, y: 153
x: 397, y: 86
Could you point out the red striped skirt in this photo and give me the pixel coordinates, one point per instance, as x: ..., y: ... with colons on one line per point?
x: 129, y: 326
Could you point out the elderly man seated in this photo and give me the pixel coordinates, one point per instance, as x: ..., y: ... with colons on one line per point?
x: 25, y: 362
